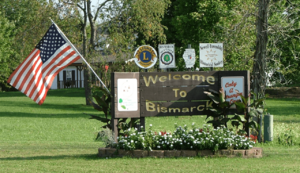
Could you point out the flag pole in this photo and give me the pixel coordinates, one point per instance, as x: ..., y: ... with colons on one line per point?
x: 65, y: 37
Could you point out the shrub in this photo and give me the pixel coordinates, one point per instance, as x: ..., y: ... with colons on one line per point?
x: 205, y: 138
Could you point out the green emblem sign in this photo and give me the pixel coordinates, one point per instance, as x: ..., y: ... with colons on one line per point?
x: 166, y: 56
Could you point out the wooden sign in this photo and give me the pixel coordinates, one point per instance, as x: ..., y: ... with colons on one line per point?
x: 176, y: 93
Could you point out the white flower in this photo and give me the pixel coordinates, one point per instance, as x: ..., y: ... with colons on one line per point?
x: 193, y: 123
x: 135, y: 141
x: 142, y: 126
x: 125, y: 136
x: 150, y: 125
x: 158, y: 146
x: 180, y: 143
x: 159, y: 133
x: 191, y: 146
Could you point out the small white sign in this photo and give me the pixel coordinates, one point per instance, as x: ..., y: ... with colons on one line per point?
x: 127, y: 95
x: 211, y: 54
x: 166, y: 56
x: 189, y: 57
x: 232, y: 87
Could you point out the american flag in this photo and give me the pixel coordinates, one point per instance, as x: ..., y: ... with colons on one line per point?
x: 34, y: 76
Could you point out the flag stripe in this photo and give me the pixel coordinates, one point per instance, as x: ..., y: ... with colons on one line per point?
x: 28, y: 74
x: 31, y: 84
x: 17, y: 76
x: 17, y: 69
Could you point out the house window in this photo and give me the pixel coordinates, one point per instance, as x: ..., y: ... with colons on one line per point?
x: 69, y: 75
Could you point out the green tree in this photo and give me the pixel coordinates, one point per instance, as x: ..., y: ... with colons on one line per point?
x: 284, y: 37
x: 6, y: 50
x: 193, y: 22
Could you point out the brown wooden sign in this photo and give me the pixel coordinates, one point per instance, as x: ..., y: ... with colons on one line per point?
x: 174, y: 93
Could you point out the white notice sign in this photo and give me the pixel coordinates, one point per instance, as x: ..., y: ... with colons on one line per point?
x: 232, y: 86
x: 166, y: 56
x: 127, y: 95
x: 211, y: 54
x: 189, y: 57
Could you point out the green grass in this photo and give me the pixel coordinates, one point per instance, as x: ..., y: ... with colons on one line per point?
x: 58, y: 137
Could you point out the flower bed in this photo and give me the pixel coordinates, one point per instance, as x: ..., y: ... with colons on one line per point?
x: 205, y: 138
x: 184, y: 142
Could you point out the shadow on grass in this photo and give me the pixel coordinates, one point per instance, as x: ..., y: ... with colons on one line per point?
x: 58, y: 157
x: 72, y: 92
x: 284, y: 110
x: 48, y: 115
x: 288, y: 121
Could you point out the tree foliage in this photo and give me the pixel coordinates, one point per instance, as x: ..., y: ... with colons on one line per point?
x: 6, y: 50
x: 284, y: 38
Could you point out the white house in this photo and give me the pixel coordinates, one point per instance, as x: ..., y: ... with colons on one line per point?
x: 71, y: 76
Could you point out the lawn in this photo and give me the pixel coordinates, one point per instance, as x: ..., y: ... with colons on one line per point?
x: 58, y: 137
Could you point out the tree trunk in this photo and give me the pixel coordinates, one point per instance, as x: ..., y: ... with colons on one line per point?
x: 87, y: 71
x: 259, y: 67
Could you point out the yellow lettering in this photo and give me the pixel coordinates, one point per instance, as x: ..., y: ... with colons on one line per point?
x: 170, y: 76
x: 198, y: 77
x: 162, y: 78
x: 209, y: 104
x: 182, y: 93
x: 176, y: 78
x: 145, y: 56
x: 164, y: 110
x: 211, y: 80
x: 158, y: 108
x: 174, y: 109
x: 186, y: 77
x: 185, y: 110
x: 192, y: 108
x: 150, y: 79
x: 175, y: 90
x: 150, y: 106
x: 200, y: 106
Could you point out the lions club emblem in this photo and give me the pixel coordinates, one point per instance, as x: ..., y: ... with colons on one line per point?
x: 145, y: 57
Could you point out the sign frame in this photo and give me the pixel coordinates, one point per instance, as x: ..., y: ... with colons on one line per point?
x: 167, y: 50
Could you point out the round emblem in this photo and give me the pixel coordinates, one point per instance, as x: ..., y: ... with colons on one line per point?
x: 145, y: 57
x: 166, y: 58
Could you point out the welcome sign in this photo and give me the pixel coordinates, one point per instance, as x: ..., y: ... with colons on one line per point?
x: 178, y: 93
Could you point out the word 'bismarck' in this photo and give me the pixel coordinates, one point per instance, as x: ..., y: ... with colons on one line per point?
x: 195, y: 77
x: 152, y: 107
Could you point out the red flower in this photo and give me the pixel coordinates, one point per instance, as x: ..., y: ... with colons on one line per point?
x: 201, y: 130
x: 252, y: 138
x: 106, y: 68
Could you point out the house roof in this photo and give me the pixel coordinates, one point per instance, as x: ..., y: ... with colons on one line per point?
x: 125, y: 57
